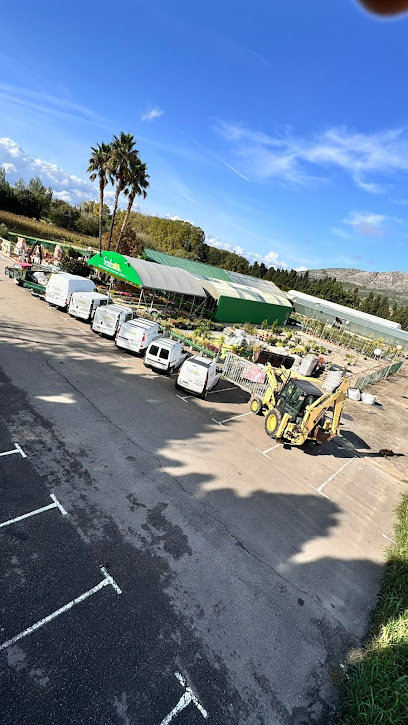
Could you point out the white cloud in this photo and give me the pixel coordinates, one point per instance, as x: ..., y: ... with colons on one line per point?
x: 302, y: 161
x: 150, y: 114
x: 368, y: 223
x: 66, y: 186
x: 301, y: 269
x: 270, y: 260
x: 59, y: 107
x: 175, y: 218
x: 340, y: 233
x: 8, y: 168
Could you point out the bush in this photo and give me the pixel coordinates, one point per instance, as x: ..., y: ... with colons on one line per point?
x: 3, y: 231
x: 40, y: 230
x: 75, y: 266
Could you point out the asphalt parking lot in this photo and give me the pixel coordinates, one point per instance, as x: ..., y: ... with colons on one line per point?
x: 246, y: 567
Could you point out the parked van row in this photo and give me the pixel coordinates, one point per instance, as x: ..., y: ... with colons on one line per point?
x: 79, y: 296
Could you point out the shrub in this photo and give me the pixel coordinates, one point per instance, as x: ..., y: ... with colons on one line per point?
x: 41, y: 230
x: 3, y: 231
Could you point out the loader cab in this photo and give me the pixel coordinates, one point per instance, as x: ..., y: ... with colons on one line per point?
x: 296, y: 396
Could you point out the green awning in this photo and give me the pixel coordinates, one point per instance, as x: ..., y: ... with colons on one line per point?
x: 148, y: 275
x: 117, y: 266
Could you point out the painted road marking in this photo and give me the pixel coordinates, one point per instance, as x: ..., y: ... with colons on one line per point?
x: 234, y: 417
x: 264, y: 453
x: 104, y: 344
x: 387, y: 537
x: 181, y: 397
x: 321, y: 487
x: 17, y: 450
x: 107, y: 580
x: 54, y: 505
x: 184, y: 701
x: 211, y: 392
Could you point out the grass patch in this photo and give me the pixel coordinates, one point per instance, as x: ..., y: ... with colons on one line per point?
x: 41, y: 230
x: 375, y: 689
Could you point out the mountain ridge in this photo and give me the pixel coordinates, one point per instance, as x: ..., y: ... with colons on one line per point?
x: 390, y: 283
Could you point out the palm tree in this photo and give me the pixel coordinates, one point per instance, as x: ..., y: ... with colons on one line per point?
x: 137, y: 183
x: 123, y: 154
x: 99, y: 163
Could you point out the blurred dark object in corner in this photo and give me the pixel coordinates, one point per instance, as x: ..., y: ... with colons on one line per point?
x: 385, y: 7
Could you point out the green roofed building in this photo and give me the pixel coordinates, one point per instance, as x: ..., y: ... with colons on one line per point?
x: 199, y: 269
x: 232, y: 297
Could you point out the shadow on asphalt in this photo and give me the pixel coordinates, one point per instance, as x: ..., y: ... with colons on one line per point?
x: 272, y: 531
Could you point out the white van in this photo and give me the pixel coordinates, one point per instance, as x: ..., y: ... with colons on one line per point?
x: 137, y: 335
x: 198, y: 375
x: 84, y: 304
x: 109, y: 318
x: 165, y: 354
x: 61, y: 286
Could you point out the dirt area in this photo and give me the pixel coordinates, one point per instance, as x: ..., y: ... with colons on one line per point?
x: 384, y: 425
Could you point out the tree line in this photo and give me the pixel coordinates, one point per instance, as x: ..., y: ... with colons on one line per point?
x: 118, y: 163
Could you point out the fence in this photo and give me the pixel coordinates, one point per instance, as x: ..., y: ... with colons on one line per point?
x: 245, y: 374
x: 362, y: 344
x: 377, y: 375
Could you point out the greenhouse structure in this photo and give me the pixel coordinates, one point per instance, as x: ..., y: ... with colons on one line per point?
x: 231, y: 296
x: 345, y: 317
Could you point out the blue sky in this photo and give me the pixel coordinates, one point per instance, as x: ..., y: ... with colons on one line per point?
x: 280, y: 128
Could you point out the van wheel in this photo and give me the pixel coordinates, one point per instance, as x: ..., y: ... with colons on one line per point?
x: 171, y: 370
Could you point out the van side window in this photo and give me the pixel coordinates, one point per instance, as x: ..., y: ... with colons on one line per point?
x: 164, y: 354
x: 128, y: 317
x: 103, y: 302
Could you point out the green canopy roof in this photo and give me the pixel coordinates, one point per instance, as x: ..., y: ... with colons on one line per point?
x: 198, y: 269
x: 145, y: 274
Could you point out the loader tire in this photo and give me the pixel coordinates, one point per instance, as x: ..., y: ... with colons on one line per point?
x: 273, y: 420
x: 256, y: 405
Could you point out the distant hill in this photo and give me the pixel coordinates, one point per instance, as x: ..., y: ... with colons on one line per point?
x: 393, y: 284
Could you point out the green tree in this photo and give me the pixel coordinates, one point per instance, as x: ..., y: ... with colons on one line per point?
x: 42, y: 195
x: 63, y: 214
x: 123, y: 154
x: 99, y: 166
x: 137, y: 185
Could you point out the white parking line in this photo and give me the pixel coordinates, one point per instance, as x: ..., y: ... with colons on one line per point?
x: 211, y: 392
x: 184, y: 701
x: 321, y: 487
x: 234, y: 417
x: 17, y: 450
x: 264, y: 453
x: 107, y: 579
x: 387, y: 537
x: 104, y: 344
x: 54, y: 505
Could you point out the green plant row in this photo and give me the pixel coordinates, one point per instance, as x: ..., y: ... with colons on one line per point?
x: 21, y: 225
x: 375, y: 688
